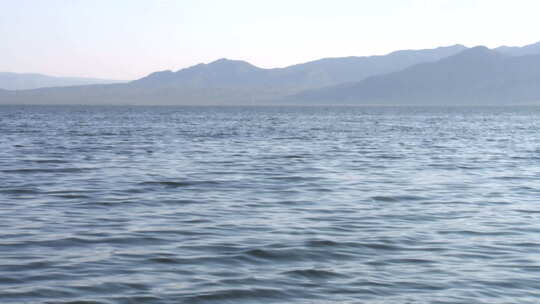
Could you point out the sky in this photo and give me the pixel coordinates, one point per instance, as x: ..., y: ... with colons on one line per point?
x: 128, y: 39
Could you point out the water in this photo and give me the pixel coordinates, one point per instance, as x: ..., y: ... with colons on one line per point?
x: 269, y: 205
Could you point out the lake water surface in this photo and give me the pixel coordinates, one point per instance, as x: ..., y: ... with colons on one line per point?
x: 269, y: 205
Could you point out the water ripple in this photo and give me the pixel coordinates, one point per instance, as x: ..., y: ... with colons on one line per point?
x: 269, y: 205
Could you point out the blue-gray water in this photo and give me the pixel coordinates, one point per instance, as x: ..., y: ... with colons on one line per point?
x: 269, y: 205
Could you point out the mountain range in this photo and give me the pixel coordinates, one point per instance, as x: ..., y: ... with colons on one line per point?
x: 475, y: 76
x: 28, y: 81
x: 225, y: 73
x: 441, y: 76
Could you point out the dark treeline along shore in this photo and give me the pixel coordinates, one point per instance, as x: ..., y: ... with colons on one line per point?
x: 441, y: 76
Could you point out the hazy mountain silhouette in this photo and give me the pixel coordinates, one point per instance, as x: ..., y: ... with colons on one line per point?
x: 226, y: 73
x: 446, y: 75
x: 231, y: 82
x: 17, y: 81
x: 222, y: 73
x: 532, y: 49
x: 475, y: 76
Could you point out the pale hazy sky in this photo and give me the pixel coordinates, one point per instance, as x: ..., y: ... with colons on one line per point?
x: 127, y: 39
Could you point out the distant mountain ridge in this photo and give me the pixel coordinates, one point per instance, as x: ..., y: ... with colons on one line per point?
x: 520, y: 51
x: 226, y: 73
x: 475, y: 76
x: 440, y: 76
x: 29, y: 81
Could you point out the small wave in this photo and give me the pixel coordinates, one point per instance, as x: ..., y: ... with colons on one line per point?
x: 374, y: 246
x: 10, y: 280
x: 27, y: 266
x: 180, y: 201
x: 384, y: 198
x: 322, y: 243
x: 230, y: 295
x: 49, y: 170
x: 270, y: 254
x: 20, y: 191
x: 49, y: 161
x: 380, y: 246
x: 397, y: 198
x: 294, y: 156
x: 82, y: 302
x: 509, y: 178
x: 313, y: 273
x: 291, y: 156
x: 78, y: 241
x: 41, y: 293
x: 72, y: 196
x: 133, y: 299
x: 409, y: 261
x: 179, y: 184
x: 295, y: 178
x: 478, y: 233
x: 526, y: 211
x: 164, y: 260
